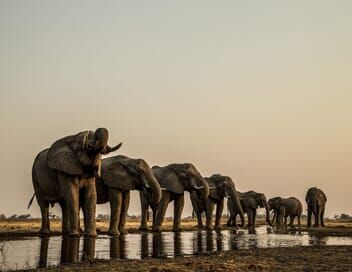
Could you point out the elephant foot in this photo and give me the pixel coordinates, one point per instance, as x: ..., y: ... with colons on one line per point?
x: 91, y: 233
x: 143, y: 228
x: 113, y: 232
x: 178, y: 229
x: 44, y: 231
x: 74, y: 234
x: 217, y: 227
x: 200, y: 226
x: 156, y: 229
x: 123, y: 231
x: 209, y: 228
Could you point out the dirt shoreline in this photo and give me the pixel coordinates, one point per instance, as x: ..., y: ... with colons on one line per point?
x: 312, y: 258
x: 18, y: 229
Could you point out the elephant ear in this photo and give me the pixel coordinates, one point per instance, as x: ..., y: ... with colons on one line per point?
x: 115, y: 174
x: 61, y: 157
x: 169, y: 180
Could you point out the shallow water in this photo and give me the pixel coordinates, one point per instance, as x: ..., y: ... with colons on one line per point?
x: 48, y: 251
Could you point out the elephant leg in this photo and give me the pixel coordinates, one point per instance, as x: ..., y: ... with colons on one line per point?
x: 285, y: 222
x: 250, y: 217
x: 219, y: 210
x: 199, y: 219
x: 124, y: 209
x: 89, y: 206
x: 317, y: 216
x: 309, y: 219
x: 178, y: 208
x: 161, y: 210
x: 115, y: 198
x: 144, y: 210
x: 65, y: 222
x: 292, y: 218
x: 254, y: 216
x: 299, y: 220
x: 322, y: 216
x: 70, y: 191
x: 209, y: 214
x: 44, y: 209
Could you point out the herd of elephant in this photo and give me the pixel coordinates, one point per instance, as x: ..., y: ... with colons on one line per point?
x: 72, y: 174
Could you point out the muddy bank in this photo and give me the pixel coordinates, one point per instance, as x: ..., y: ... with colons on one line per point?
x: 29, y: 228
x: 328, y: 258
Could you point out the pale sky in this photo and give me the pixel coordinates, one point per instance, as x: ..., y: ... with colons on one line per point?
x: 257, y: 90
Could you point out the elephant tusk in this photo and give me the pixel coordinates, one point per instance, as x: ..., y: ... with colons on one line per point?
x: 198, y: 187
x: 163, y: 189
x: 212, y: 187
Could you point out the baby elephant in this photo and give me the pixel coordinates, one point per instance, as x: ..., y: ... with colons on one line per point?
x: 284, y: 207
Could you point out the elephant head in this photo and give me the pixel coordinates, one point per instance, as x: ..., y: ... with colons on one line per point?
x: 180, y: 177
x: 72, y: 154
x: 263, y: 203
x: 131, y: 174
x: 275, y: 204
x: 223, y: 186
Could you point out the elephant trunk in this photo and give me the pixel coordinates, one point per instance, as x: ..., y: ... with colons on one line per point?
x: 235, y: 199
x: 204, y: 192
x: 155, y: 190
x: 267, y: 211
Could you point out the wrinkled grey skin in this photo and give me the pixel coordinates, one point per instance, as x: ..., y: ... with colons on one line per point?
x: 174, y: 180
x: 250, y: 201
x: 316, y: 201
x: 284, y: 207
x: 120, y: 175
x: 219, y: 188
x: 60, y: 176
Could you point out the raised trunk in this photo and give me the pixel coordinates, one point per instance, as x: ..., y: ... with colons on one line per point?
x: 231, y: 190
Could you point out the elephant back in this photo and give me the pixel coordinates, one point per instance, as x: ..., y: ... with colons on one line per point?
x: 168, y: 180
x: 114, y: 173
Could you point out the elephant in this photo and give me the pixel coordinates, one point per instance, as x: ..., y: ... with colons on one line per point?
x: 284, y: 207
x: 66, y: 172
x: 316, y: 201
x: 250, y: 201
x: 120, y: 175
x: 219, y: 188
x: 174, y: 179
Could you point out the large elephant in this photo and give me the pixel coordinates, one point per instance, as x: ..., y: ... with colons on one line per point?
x: 250, y: 201
x: 284, y: 207
x: 316, y: 201
x: 120, y: 175
x: 219, y: 188
x: 64, y: 173
x: 174, y: 179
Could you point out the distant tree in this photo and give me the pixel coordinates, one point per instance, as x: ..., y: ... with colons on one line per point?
x: 103, y: 217
x: 12, y: 217
x: 345, y: 216
x: 2, y: 216
x: 24, y: 216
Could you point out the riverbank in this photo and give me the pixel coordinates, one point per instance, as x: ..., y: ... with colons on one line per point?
x: 12, y: 229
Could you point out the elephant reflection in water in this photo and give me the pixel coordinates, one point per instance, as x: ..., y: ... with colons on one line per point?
x: 118, y: 247
x: 160, y: 246
x: 204, y: 242
x: 69, y: 250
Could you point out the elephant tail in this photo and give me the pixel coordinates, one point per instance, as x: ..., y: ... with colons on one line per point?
x: 31, y: 201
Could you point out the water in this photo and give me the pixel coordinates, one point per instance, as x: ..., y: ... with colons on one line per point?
x: 49, y: 251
